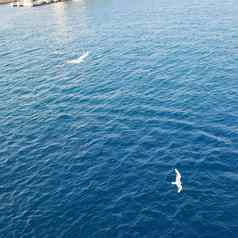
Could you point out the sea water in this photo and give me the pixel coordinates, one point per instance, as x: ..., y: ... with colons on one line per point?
x: 88, y: 150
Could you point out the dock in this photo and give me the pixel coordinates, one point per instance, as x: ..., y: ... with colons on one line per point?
x: 5, y: 1
x: 31, y: 3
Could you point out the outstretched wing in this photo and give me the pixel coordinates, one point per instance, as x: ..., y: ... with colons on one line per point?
x: 178, y: 175
x: 180, y: 188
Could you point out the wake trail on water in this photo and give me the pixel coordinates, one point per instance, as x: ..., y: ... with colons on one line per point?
x: 78, y: 60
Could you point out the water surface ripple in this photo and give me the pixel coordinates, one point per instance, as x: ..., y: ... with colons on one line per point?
x: 88, y: 150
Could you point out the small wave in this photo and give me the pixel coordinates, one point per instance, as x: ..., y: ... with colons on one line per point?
x: 78, y: 60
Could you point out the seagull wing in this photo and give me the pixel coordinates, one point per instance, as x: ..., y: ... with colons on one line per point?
x: 178, y: 175
x: 180, y: 188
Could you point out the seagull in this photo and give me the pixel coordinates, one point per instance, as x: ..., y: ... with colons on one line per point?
x: 79, y: 60
x: 178, y: 181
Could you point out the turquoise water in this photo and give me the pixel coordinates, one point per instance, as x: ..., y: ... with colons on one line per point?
x: 88, y: 150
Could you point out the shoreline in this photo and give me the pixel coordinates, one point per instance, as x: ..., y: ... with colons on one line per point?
x: 6, y: 1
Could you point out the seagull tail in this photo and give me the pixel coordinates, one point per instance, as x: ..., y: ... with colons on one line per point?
x: 173, y: 183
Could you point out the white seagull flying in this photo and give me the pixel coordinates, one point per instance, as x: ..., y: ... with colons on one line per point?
x: 178, y: 182
x: 79, y: 60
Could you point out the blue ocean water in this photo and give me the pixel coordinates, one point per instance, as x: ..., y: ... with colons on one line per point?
x: 88, y: 150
